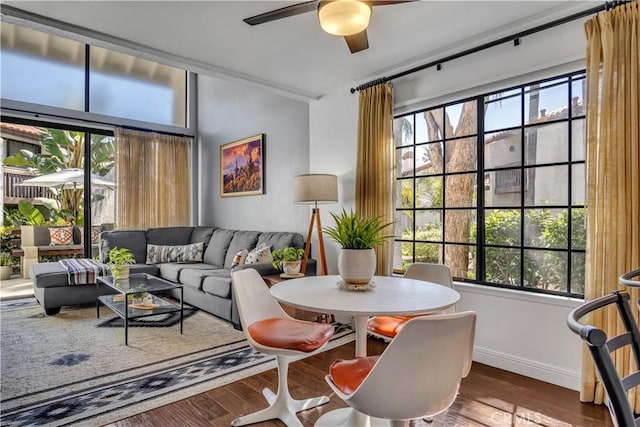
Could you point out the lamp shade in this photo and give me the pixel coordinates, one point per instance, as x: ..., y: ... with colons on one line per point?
x: 344, y: 17
x: 315, y: 188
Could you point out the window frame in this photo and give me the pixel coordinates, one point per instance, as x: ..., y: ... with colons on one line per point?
x: 521, y: 167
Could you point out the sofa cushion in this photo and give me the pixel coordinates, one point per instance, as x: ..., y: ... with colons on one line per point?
x: 157, y: 254
x: 218, y: 246
x: 202, y: 234
x: 280, y: 239
x: 194, y: 274
x: 134, y: 240
x: 219, y: 283
x: 169, y: 235
x: 241, y: 240
x: 49, y: 274
x: 144, y: 268
x: 173, y: 270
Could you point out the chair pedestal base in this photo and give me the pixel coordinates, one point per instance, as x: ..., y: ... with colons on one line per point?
x: 281, y: 405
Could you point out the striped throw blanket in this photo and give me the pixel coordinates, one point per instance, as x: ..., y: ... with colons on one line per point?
x: 84, y: 271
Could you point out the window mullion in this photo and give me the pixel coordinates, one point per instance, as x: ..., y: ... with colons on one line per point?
x: 480, y: 205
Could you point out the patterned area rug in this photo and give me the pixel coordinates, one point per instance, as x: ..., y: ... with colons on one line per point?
x: 66, y: 370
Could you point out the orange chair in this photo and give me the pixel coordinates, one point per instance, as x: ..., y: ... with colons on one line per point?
x: 271, y: 331
x: 417, y: 376
x: 387, y: 327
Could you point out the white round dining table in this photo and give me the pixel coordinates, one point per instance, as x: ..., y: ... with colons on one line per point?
x: 390, y: 296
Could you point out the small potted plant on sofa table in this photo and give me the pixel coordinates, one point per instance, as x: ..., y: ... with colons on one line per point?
x: 119, y: 261
x: 288, y: 259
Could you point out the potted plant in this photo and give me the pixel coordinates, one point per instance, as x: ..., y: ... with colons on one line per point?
x: 6, y: 265
x: 119, y: 261
x: 288, y: 259
x: 357, y: 236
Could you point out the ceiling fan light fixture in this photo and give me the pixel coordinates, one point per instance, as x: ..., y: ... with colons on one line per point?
x: 344, y: 17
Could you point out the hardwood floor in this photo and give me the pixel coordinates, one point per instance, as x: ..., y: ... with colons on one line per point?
x: 488, y: 397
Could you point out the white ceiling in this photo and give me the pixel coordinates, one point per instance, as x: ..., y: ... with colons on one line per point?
x: 294, y: 55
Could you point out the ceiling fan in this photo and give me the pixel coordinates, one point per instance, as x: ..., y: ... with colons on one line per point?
x: 347, y: 18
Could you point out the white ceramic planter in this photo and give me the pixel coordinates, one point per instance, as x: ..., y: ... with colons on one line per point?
x: 291, y: 267
x: 357, y: 265
x: 120, y: 272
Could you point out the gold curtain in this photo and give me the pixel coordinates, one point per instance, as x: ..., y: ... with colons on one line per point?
x: 375, y: 167
x: 613, y: 172
x: 153, y: 177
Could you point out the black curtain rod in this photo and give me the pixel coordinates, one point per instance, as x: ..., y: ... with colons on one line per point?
x: 514, y: 37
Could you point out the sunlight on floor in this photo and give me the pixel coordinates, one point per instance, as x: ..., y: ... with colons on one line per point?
x: 496, y: 412
x: 16, y: 287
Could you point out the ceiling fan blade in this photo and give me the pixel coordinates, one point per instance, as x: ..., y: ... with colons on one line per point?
x: 285, y: 12
x: 357, y: 42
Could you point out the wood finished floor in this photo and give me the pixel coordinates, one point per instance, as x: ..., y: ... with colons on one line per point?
x: 488, y: 397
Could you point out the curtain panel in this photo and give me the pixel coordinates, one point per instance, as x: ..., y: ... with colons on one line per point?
x: 613, y: 173
x: 153, y: 177
x: 375, y: 165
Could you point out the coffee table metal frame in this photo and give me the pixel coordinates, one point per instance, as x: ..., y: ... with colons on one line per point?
x: 138, y: 283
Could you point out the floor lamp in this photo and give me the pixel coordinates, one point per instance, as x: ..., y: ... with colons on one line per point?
x: 314, y: 189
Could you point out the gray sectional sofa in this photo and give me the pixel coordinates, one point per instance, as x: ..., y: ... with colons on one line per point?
x: 206, y: 283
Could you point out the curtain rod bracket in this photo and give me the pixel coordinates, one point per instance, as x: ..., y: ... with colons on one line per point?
x: 439, y: 67
x: 516, y: 42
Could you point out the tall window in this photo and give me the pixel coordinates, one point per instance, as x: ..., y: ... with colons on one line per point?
x: 494, y: 186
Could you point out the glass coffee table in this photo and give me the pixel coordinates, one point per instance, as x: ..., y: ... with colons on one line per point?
x: 137, y: 284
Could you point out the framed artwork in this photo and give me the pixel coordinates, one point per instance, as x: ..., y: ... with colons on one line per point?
x: 242, y: 167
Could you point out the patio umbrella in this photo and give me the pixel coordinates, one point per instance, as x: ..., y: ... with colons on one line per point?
x: 68, y: 179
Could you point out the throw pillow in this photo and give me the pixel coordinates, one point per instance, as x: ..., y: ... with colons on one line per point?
x: 262, y: 253
x: 95, y: 235
x: 61, y: 236
x: 157, y: 254
x: 240, y: 258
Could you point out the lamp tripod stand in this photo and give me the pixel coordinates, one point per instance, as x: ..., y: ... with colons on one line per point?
x: 313, y: 189
x: 315, y: 218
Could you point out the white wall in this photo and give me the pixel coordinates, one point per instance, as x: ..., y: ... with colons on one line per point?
x: 520, y: 332
x: 334, y: 136
x: 229, y: 111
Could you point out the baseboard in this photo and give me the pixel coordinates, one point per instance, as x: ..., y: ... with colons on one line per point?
x: 528, y: 368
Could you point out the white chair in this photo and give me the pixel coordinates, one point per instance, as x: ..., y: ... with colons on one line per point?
x: 387, y: 327
x: 417, y: 376
x: 271, y: 331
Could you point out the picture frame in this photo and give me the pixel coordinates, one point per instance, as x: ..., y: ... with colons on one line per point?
x: 242, y: 167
